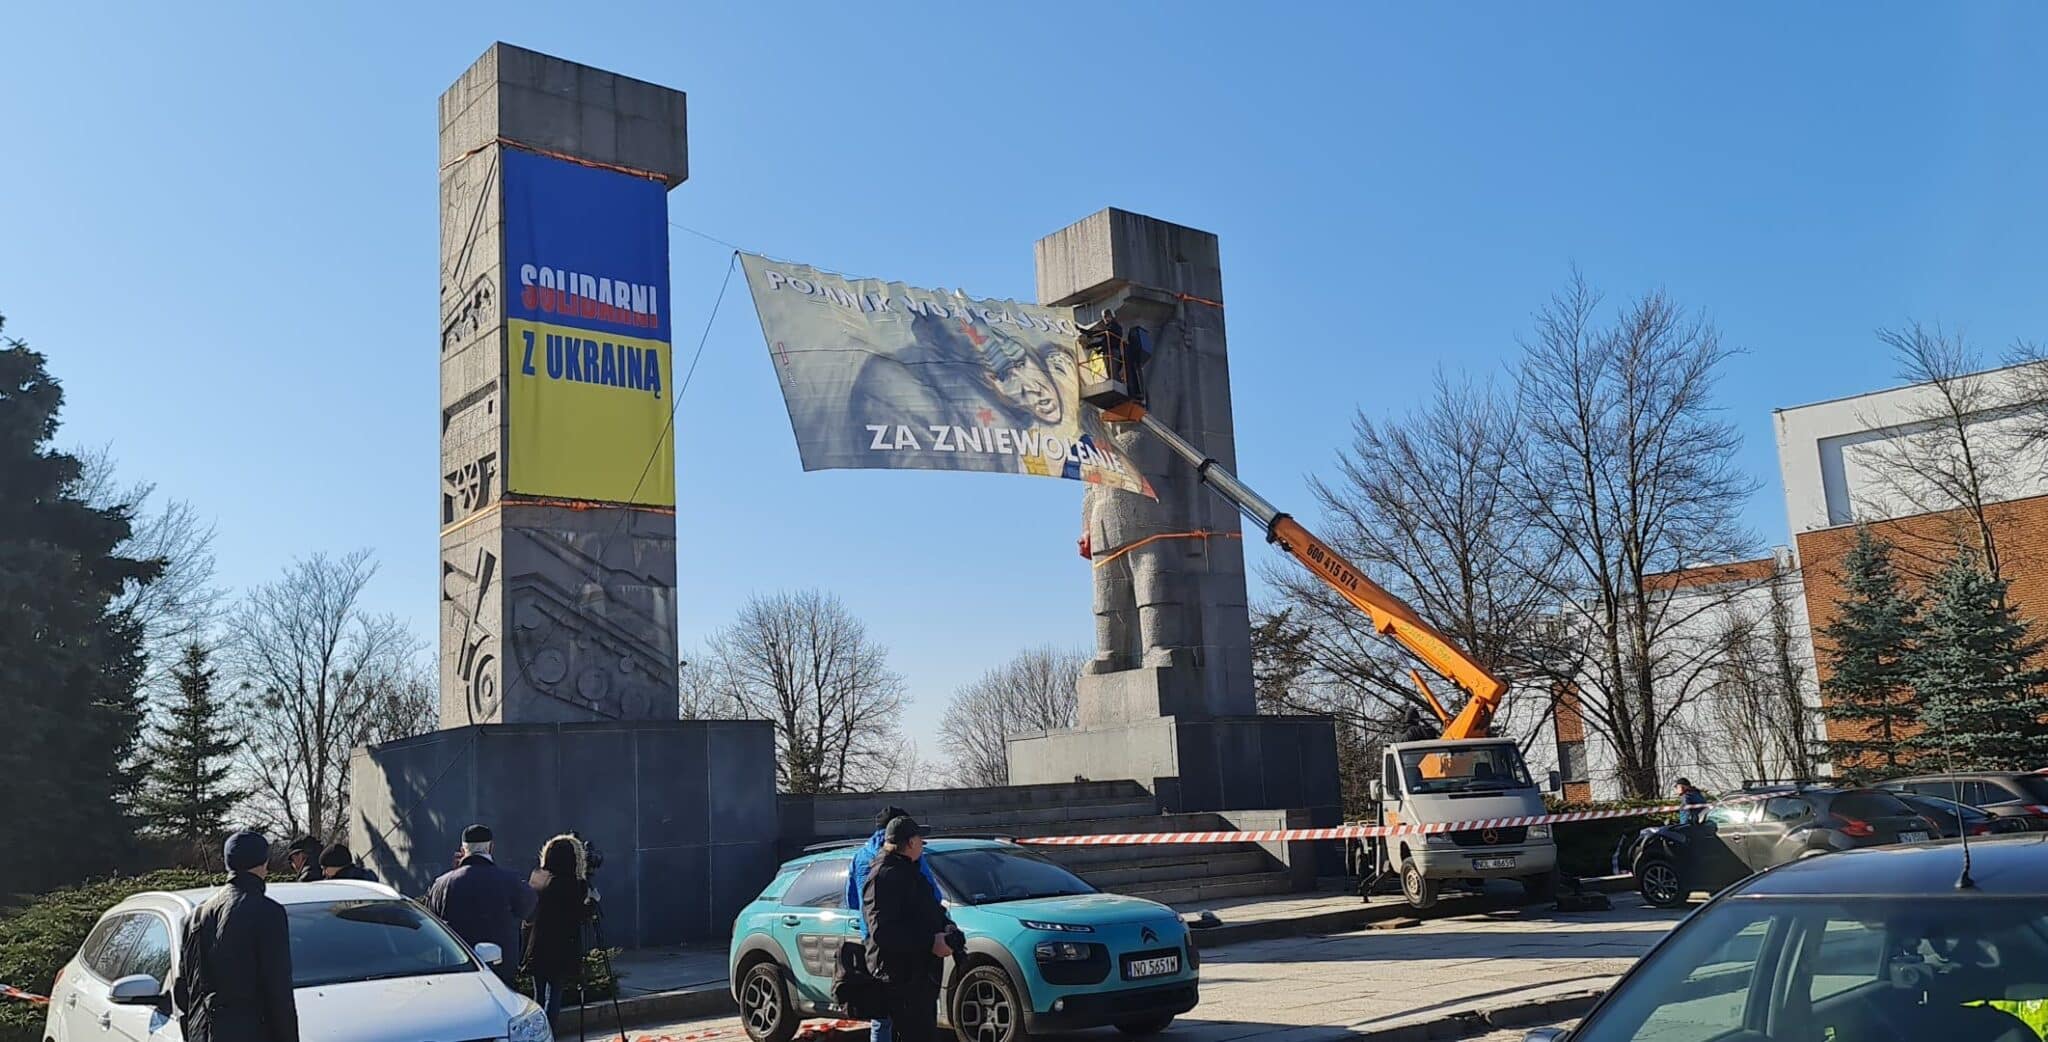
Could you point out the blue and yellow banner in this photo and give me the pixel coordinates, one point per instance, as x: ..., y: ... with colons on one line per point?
x: 587, y: 333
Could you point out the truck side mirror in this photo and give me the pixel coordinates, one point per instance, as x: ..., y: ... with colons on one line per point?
x: 1379, y: 792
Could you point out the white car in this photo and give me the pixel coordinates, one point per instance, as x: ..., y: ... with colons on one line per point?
x: 367, y: 966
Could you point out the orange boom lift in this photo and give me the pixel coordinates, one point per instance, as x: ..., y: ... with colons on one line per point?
x: 1109, y: 370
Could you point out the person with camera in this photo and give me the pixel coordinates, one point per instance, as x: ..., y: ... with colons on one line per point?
x: 554, y: 937
x: 907, y: 933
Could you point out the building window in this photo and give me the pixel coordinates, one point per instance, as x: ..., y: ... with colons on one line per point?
x: 1571, y: 761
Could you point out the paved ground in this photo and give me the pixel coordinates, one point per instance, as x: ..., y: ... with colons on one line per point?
x: 1308, y: 989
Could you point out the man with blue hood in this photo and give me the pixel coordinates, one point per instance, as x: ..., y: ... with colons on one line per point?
x: 857, y: 877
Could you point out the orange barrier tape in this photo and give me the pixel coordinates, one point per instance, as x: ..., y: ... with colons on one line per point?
x: 8, y: 991
x: 811, y: 1029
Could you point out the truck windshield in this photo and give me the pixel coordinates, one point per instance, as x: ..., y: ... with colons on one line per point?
x: 1488, y: 768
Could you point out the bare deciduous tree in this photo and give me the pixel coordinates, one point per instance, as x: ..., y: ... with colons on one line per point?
x: 1626, y: 468
x: 1947, y: 459
x: 314, y: 670
x: 802, y: 662
x: 1426, y: 506
x: 175, y: 610
x: 1032, y: 692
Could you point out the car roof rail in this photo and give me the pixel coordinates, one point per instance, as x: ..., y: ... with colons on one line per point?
x: 1005, y: 837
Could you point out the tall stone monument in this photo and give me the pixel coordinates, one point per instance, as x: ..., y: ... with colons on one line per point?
x: 557, y: 517
x: 1168, y: 698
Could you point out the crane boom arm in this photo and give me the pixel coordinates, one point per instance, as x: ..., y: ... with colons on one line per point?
x: 1391, y: 616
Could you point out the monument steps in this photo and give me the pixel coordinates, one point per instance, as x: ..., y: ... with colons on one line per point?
x: 1018, y: 820
x: 1119, y: 876
x: 1214, y: 888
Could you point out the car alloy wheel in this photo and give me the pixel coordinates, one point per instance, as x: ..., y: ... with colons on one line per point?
x: 1659, y: 885
x: 985, y: 1007
x: 764, y: 1005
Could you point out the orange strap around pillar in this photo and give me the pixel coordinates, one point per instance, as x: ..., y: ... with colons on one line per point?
x: 1200, y: 533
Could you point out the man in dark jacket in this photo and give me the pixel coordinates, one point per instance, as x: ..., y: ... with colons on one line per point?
x: 857, y: 881
x: 906, y: 933
x: 234, y: 981
x: 337, y: 863
x: 482, y: 902
x: 304, y: 857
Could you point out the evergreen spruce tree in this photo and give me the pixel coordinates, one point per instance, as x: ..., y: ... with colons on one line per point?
x: 186, y: 794
x: 70, y: 664
x: 1867, y: 650
x: 1983, y: 702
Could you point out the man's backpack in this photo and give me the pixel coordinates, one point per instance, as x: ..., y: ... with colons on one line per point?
x: 856, y: 991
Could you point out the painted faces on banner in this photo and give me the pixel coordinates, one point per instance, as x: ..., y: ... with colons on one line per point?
x: 587, y: 328
x: 883, y: 375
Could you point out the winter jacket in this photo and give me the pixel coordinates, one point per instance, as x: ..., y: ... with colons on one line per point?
x: 356, y: 872
x: 902, y: 915
x: 554, y: 940
x: 484, y: 904
x: 864, y: 862
x: 234, y: 980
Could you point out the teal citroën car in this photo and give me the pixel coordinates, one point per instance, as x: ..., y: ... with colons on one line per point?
x: 1046, y: 952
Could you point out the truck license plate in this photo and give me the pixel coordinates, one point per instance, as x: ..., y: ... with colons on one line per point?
x: 1493, y: 862
x: 1912, y: 837
x: 1165, y: 965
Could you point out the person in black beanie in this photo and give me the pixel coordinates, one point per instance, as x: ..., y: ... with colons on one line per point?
x: 337, y: 863
x: 483, y: 902
x: 234, y: 979
x: 906, y: 933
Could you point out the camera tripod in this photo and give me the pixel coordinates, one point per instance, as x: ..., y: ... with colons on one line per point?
x: 582, y: 978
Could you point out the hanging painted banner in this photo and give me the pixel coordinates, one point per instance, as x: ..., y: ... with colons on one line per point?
x: 880, y: 375
x: 587, y: 328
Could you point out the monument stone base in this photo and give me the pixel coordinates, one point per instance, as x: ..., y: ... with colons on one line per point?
x: 1192, y: 765
x: 684, y: 812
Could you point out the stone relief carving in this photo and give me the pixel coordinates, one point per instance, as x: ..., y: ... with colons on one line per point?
x: 579, y: 628
x: 469, y: 488
x: 465, y: 594
x: 472, y: 313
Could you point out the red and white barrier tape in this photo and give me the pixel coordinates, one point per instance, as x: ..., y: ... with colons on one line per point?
x: 1350, y: 831
x: 810, y: 1029
x: 8, y: 991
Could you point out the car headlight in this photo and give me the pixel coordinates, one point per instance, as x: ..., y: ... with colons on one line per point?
x: 530, y: 1026
x: 1064, y: 951
x: 1438, y: 839
x: 1539, y: 832
x: 1033, y: 924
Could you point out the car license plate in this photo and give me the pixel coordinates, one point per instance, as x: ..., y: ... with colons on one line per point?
x: 1163, y: 966
x: 1493, y: 862
x: 1912, y: 837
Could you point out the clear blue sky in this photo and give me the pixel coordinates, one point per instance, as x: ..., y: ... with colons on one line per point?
x: 221, y: 228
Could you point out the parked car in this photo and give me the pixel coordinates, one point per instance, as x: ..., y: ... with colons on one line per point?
x: 1739, y: 838
x: 2001, y: 794
x: 1046, y: 952
x: 367, y: 966
x: 1875, y: 944
x: 1952, y: 819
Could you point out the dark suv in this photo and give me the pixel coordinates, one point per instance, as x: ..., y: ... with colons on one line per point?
x: 1772, y: 827
x: 2001, y: 794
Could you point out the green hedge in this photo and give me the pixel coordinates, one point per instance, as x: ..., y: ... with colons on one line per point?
x: 1586, y: 848
x: 40, y: 937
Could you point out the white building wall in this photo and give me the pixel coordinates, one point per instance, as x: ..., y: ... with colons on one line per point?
x: 1830, y: 453
x: 1698, y: 744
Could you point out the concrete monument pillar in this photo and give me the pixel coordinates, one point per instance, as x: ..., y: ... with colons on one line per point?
x: 553, y: 608
x: 557, y: 522
x: 1168, y: 698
